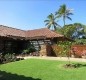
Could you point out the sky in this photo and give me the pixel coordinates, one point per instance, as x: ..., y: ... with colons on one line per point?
x: 30, y: 14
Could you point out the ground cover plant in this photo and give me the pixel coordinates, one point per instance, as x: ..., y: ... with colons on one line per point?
x: 7, y: 58
x: 37, y: 69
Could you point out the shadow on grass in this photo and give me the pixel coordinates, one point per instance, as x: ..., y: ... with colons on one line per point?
x: 74, y: 65
x: 8, y: 76
x: 79, y: 65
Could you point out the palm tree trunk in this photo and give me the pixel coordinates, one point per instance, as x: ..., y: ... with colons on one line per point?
x: 64, y: 20
x: 54, y: 27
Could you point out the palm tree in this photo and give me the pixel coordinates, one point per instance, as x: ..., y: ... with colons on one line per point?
x: 51, y: 22
x: 64, y: 13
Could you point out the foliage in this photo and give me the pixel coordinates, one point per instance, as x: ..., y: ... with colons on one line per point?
x: 25, y: 51
x: 80, y: 41
x: 73, y: 65
x: 79, y: 30
x: 84, y: 31
x: 59, y: 30
x: 7, y: 58
x: 64, y: 12
x: 68, y: 30
x: 51, y: 22
x: 65, y: 47
x: 73, y: 31
x: 29, y: 49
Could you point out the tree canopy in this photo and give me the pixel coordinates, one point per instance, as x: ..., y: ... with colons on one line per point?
x: 74, y: 31
x: 51, y: 22
x: 64, y: 12
x: 52, y: 19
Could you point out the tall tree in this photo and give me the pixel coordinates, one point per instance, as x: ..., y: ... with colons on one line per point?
x: 51, y: 22
x: 73, y: 31
x: 64, y: 12
x: 85, y: 31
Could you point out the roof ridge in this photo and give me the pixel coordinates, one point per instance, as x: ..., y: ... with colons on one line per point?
x: 52, y: 31
x: 12, y: 28
x: 37, y: 29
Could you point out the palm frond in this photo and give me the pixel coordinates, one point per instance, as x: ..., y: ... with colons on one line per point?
x: 57, y: 25
x: 51, y: 21
x: 56, y: 13
x: 69, y: 14
x: 58, y: 16
x: 69, y: 18
x: 51, y: 16
x: 46, y: 21
x: 48, y: 26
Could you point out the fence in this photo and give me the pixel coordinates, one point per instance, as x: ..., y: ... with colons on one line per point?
x: 54, y: 50
x: 78, y: 50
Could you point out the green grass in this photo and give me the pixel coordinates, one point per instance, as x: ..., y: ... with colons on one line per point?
x: 35, y: 69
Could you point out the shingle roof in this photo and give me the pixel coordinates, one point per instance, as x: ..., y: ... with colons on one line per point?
x: 44, y: 32
x: 8, y: 31
x: 30, y: 34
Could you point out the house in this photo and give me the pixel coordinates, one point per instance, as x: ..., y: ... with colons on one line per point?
x: 15, y: 40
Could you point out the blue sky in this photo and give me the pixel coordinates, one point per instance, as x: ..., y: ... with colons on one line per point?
x: 30, y: 14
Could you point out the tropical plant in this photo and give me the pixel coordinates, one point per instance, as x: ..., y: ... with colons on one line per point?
x: 64, y: 12
x: 25, y: 51
x: 80, y: 41
x: 73, y: 31
x: 51, y: 22
x: 9, y: 58
x: 65, y: 51
x: 79, y: 30
x: 68, y: 30
x: 84, y: 31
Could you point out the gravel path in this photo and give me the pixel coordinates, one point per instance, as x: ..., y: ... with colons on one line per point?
x: 57, y: 58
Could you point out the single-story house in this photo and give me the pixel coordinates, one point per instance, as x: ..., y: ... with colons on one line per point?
x: 15, y: 40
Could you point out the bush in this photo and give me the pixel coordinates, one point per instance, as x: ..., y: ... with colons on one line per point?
x: 65, y: 48
x: 80, y: 42
x: 9, y: 58
x: 29, y: 50
x: 26, y: 51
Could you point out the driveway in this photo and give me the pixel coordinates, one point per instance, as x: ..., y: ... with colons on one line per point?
x: 57, y: 58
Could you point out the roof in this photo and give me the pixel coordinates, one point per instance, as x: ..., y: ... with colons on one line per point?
x: 43, y: 32
x: 8, y: 31
x: 30, y: 34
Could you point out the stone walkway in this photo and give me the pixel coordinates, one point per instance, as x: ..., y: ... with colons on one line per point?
x: 57, y: 58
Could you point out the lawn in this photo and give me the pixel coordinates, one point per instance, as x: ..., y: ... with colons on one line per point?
x: 37, y: 69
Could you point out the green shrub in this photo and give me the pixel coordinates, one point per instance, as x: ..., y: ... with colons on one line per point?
x: 26, y: 51
x: 9, y: 58
x: 65, y: 47
x: 6, y: 58
x: 80, y: 41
